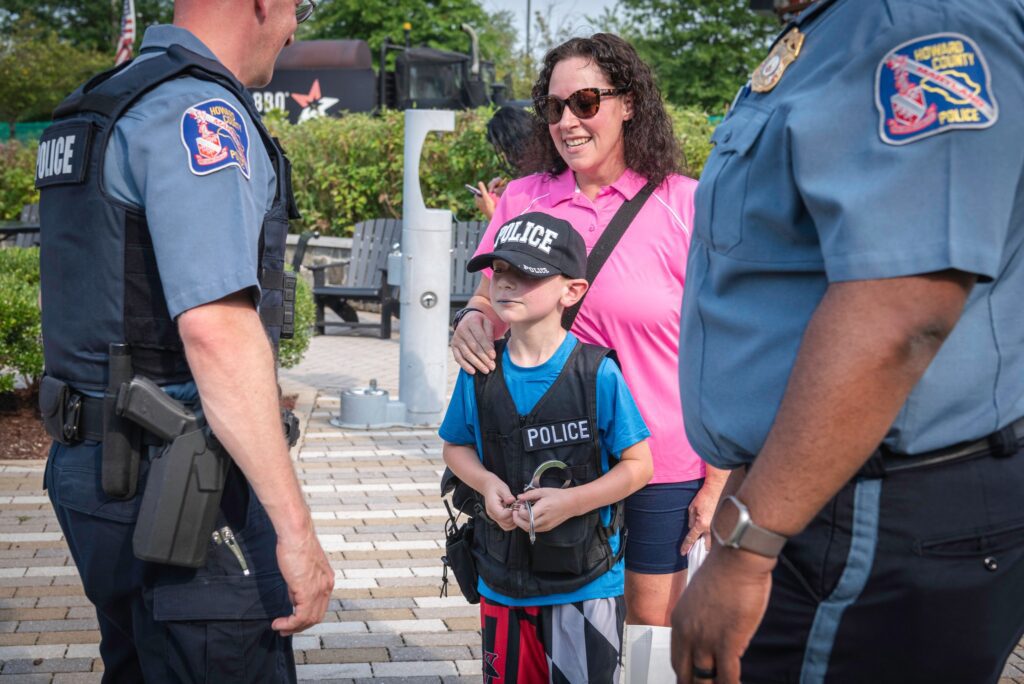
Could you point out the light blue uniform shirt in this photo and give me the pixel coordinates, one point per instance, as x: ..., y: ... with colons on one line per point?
x: 205, y: 228
x: 891, y: 147
x: 619, y: 426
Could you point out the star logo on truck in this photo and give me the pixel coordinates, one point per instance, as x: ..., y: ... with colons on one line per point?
x: 314, y: 104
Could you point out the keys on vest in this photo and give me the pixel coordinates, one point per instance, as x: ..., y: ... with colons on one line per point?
x: 576, y: 431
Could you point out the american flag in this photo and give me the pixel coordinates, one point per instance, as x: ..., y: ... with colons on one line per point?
x: 126, y: 43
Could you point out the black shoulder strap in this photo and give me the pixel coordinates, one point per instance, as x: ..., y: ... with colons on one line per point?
x: 111, y: 97
x: 609, y: 238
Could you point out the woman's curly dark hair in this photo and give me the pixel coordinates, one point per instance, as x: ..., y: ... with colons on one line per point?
x: 650, y: 146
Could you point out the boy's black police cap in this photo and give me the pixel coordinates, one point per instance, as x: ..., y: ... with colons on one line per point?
x: 539, y: 245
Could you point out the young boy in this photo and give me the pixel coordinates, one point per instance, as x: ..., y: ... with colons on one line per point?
x: 549, y: 550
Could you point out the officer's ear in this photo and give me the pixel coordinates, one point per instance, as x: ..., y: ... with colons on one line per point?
x: 574, y: 290
x: 261, y: 9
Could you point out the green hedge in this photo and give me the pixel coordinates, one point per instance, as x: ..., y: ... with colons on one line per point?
x: 17, y: 178
x: 350, y: 169
x: 21, y: 351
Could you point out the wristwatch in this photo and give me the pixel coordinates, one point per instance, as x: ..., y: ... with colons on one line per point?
x: 733, y: 527
x: 460, y: 314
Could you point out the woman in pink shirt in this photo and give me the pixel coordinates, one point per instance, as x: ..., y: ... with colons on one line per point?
x: 603, y: 135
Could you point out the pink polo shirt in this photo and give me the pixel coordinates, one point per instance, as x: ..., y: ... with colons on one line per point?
x: 633, y: 304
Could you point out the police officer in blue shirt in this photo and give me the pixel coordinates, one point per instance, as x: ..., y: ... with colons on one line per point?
x: 164, y: 209
x: 853, y: 347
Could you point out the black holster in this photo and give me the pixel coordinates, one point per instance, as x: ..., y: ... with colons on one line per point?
x: 181, y: 501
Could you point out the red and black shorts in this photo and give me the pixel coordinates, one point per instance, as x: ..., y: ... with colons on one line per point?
x: 569, y: 643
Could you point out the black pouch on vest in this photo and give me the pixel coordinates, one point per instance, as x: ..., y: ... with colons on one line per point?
x: 53, y: 401
x: 289, y: 282
x: 459, y: 558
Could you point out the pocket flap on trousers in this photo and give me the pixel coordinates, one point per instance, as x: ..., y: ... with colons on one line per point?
x: 260, y: 597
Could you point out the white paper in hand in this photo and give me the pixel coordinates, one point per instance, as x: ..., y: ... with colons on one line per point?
x: 698, y: 552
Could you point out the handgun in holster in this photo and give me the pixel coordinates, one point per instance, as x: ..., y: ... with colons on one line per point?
x: 186, y: 480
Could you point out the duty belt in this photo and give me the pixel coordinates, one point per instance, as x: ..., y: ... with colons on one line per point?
x: 83, y: 421
x: 999, y: 444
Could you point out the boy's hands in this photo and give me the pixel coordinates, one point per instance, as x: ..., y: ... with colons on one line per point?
x: 497, y: 499
x: 551, y: 508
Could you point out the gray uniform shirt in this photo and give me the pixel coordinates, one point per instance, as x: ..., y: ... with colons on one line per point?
x: 204, y: 221
x: 890, y: 147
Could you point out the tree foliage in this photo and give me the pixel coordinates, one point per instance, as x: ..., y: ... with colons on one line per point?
x: 701, y: 50
x: 37, y: 70
x: 435, y: 23
x: 93, y: 25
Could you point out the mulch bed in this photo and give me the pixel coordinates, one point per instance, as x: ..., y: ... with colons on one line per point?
x: 21, y: 432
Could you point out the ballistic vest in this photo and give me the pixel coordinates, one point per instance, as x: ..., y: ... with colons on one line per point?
x: 562, y: 426
x: 99, y: 277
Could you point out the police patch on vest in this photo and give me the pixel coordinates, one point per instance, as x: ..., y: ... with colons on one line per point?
x: 933, y: 84
x: 562, y: 433
x: 215, y: 136
x: 63, y: 154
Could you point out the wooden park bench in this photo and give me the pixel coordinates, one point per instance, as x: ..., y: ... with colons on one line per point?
x: 22, y: 233
x: 365, y: 277
x: 465, y: 238
x: 366, y: 273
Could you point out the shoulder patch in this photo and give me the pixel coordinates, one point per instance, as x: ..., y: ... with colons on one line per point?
x: 215, y: 137
x: 933, y: 84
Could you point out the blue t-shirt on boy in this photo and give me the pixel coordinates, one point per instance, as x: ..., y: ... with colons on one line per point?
x: 619, y: 423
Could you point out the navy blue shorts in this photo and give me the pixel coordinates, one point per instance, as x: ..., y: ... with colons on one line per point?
x: 657, y: 520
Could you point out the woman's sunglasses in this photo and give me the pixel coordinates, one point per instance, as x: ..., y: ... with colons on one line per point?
x: 304, y: 10
x: 584, y: 103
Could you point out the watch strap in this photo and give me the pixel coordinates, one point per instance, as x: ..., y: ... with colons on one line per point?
x: 761, y: 541
x: 461, y: 313
x: 747, y: 535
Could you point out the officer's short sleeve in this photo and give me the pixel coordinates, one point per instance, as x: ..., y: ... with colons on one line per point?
x: 909, y: 157
x: 619, y: 422
x: 193, y: 159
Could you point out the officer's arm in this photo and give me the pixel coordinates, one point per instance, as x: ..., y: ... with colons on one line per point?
x: 233, y: 366
x: 867, y: 345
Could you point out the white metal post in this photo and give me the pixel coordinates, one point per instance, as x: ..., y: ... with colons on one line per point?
x: 426, y: 281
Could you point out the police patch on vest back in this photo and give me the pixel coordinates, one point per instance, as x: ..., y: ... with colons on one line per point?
x: 933, y: 84
x: 62, y: 156
x: 215, y: 136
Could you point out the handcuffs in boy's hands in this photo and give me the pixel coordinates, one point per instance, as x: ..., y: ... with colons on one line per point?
x: 535, y: 484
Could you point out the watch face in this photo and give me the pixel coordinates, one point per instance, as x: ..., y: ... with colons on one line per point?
x: 729, y: 522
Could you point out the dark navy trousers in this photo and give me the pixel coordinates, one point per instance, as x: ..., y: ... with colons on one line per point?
x: 160, y: 623
x: 917, y: 576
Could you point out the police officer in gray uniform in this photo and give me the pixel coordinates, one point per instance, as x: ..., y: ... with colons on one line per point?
x: 164, y: 209
x: 853, y: 348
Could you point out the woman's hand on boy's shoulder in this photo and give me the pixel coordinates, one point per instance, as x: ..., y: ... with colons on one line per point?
x: 551, y: 508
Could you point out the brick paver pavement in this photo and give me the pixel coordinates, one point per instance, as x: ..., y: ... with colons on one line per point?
x: 374, y: 497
